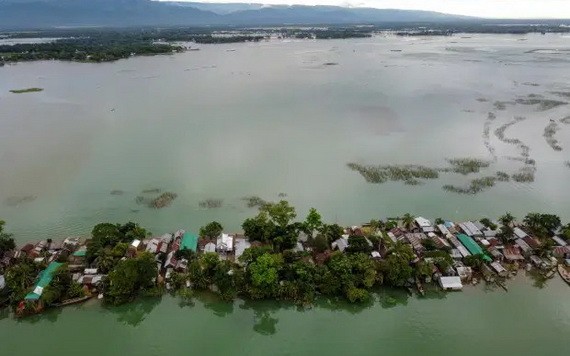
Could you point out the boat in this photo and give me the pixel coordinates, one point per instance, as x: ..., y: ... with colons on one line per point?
x: 564, y: 273
x: 73, y: 301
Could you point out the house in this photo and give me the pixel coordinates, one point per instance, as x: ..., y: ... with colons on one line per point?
x: 91, y: 280
x: 499, y: 269
x: 455, y: 242
x: 299, y: 247
x: 465, y: 273
x: 240, y: 245
x: 532, y: 242
x: 375, y: 254
x: 519, y: 233
x: 424, y: 224
x: 472, y: 246
x: 210, y: 247
x: 561, y: 251
x: 512, y: 254
x: 470, y: 229
x: 153, y: 245
x: 559, y: 241
x: 523, y: 246
x: 225, y: 243
x: 188, y: 241
x: 44, y: 280
x: 340, y: 244
x: 415, y: 239
x: 450, y: 283
x: 455, y: 254
x: 171, y: 260
x: 443, y: 229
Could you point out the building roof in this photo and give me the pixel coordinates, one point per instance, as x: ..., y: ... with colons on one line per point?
x: 443, y: 229
x: 241, y: 245
x: 341, y: 244
x: 80, y: 253
x: 519, y: 233
x: 210, y: 247
x: 2, y: 282
x: 498, y: 267
x: 559, y: 241
x: 512, y: 253
x: 136, y: 243
x: 472, y: 246
x: 422, y: 222
x: 453, y: 282
x: 189, y: 242
x: 225, y: 242
x: 523, y: 245
x: 45, y: 278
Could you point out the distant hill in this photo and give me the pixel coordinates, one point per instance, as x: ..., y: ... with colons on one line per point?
x: 50, y: 13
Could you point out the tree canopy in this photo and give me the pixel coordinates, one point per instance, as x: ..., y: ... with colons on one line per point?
x: 212, y: 230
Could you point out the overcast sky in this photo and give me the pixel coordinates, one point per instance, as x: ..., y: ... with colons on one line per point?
x: 482, y: 8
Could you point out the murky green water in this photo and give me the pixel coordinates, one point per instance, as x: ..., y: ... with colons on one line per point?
x: 270, y: 118
x: 524, y: 321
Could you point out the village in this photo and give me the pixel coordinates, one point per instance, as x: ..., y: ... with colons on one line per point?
x: 441, y: 253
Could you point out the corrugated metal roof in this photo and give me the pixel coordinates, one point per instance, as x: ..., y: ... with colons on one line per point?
x: 189, y: 242
x: 472, y: 246
x: 45, y: 278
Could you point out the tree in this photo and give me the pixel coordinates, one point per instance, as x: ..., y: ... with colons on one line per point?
x: 439, y: 221
x: 212, y: 230
x: 109, y: 235
x: 506, y: 233
x: 258, y: 228
x: 280, y: 213
x: 396, y: 267
x: 542, y: 224
x: 264, y: 276
x: 507, y: 219
x: 57, y: 290
x: 488, y: 223
x: 475, y: 261
x: 6, y: 241
x: 332, y: 232
x: 19, y: 278
x: 313, y: 220
x: 408, y: 220
x: 429, y: 244
x: 320, y: 244
x: 358, y: 244
x: 566, y: 232
x: 129, y: 278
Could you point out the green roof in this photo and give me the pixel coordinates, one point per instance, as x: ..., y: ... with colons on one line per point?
x: 80, y: 253
x: 45, y: 278
x: 472, y: 246
x: 189, y: 242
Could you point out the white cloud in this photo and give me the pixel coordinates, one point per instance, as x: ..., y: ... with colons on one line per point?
x: 483, y: 8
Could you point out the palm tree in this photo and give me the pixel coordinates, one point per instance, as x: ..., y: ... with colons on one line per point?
x: 533, y: 221
x: 507, y: 219
x: 408, y: 220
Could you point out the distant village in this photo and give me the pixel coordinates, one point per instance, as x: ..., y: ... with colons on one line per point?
x: 314, y: 259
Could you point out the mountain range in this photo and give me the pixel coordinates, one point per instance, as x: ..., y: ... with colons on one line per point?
x: 60, y: 13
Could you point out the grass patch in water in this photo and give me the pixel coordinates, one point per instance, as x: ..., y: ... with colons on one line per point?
x: 477, y: 185
x: 27, y: 90
x: 467, y: 165
x: 409, y: 174
x: 211, y: 203
x: 543, y: 104
x: 549, y: 132
x: 254, y: 201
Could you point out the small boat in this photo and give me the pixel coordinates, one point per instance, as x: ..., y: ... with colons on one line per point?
x: 564, y: 273
x: 73, y: 301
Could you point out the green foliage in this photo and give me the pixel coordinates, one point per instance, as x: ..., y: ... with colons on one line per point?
x: 320, y: 243
x: 396, y: 268
x: 212, y: 230
x: 130, y: 278
x: 313, y: 220
x: 186, y: 254
x: 263, y: 274
x: 61, y: 287
x: 332, y: 232
x: 439, y: 221
x: 6, y: 241
x: 542, y: 224
x: 106, y: 236
x: 408, y: 220
x: 358, y: 244
x: 474, y: 261
x: 20, y: 277
x: 507, y: 219
x: 429, y: 244
x: 488, y: 223
x: 281, y: 214
x: 258, y: 228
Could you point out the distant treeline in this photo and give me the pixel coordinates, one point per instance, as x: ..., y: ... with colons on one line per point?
x: 103, y: 45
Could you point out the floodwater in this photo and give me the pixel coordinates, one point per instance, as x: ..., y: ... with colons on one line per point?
x: 526, y: 321
x: 261, y: 119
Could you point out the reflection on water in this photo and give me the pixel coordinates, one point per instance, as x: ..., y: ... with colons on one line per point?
x: 134, y: 313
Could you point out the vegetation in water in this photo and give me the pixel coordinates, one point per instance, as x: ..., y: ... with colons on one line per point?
x: 18, y: 200
x: 163, y: 200
x: 543, y: 104
x: 117, y: 192
x: 409, y: 174
x: 27, y: 90
x: 467, y: 165
x: 565, y: 120
x: 549, y: 132
x: 211, y: 203
x: 254, y: 201
x: 475, y: 186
